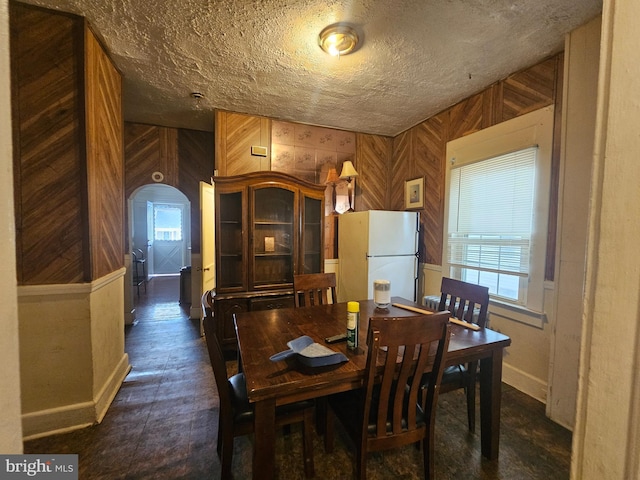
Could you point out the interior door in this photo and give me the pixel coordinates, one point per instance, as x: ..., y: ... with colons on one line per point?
x: 207, y: 224
x: 169, y: 246
x: 148, y: 250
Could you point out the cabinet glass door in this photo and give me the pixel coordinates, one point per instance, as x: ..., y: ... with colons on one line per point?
x: 273, y: 236
x: 230, y: 243
x: 311, y: 256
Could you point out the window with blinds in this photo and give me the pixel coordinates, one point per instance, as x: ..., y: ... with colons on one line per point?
x: 491, y: 208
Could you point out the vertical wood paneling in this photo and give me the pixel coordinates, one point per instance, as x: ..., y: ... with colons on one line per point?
x: 491, y: 97
x: 105, y: 162
x: 195, y: 164
x: 401, y: 168
x: 466, y: 117
x: 529, y: 90
x: 149, y: 149
x: 49, y: 163
x: 236, y: 134
x: 69, y: 175
x: 373, y: 162
x: 429, y: 150
x: 184, y: 157
x: 420, y: 151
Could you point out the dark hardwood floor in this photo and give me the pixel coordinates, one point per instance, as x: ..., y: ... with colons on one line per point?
x: 163, y: 422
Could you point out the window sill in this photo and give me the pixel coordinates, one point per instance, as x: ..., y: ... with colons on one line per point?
x: 517, y: 313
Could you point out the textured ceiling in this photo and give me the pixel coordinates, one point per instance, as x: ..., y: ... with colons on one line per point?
x: 262, y: 57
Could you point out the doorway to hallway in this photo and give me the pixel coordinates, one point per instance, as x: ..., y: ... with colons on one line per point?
x: 160, y: 228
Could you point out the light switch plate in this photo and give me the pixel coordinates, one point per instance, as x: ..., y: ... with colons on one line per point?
x: 258, y: 151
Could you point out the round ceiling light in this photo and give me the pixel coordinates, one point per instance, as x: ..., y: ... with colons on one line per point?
x: 338, y: 39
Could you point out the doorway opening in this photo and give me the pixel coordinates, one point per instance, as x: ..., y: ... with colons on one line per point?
x: 160, y: 234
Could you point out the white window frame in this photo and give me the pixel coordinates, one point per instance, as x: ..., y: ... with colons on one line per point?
x: 166, y: 205
x: 535, y: 128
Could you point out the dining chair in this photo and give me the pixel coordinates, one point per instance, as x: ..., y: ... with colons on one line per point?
x: 317, y: 289
x: 469, y: 302
x: 236, y: 415
x: 385, y: 413
x: 314, y: 289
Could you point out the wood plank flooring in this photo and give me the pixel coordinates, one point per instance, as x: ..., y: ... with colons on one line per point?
x: 163, y: 422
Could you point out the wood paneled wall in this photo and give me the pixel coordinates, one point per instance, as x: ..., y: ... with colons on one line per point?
x: 235, y: 134
x: 420, y: 151
x: 149, y: 149
x: 68, y: 218
x: 384, y: 163
x: 373, y: 164
x: 105, y: 161
x: 195, y: 164
x: 184, y: 157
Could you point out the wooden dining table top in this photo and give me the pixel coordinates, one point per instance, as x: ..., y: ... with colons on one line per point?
x: 262, y: 334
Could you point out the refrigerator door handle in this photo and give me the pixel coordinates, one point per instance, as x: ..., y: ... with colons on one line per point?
x: 391, y: 256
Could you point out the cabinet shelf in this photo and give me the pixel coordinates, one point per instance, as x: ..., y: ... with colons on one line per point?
x: 272, y: 222
x: 269, y: 227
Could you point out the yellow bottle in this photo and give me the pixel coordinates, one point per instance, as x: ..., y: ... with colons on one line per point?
x: 353, y: 322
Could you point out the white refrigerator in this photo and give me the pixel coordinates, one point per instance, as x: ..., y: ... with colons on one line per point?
x: 375, y: 245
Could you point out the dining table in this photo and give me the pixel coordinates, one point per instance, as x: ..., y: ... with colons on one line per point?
x: 263, y: 333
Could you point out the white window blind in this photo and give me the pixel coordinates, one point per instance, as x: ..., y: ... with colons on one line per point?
x: 491, y: 206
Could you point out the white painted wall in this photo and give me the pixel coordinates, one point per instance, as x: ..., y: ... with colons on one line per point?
x: 606, y: 441
x: 10, y: 422
x: 582, y: 49
x: 72, y: 353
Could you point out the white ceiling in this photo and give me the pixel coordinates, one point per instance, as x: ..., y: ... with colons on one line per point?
x: 262, y: 57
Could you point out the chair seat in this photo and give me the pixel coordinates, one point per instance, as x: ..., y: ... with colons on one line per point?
x: 453, y: 377
x: 346, y: 406
x: 454, y: 374
x: 243, y: 410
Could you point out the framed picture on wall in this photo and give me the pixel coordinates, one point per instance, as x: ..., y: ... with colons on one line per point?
x: 414, y: 193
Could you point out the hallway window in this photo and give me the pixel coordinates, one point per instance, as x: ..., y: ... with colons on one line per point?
x: 167, y: 222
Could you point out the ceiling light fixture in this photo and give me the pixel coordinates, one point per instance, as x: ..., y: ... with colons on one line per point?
x: 338, y: 39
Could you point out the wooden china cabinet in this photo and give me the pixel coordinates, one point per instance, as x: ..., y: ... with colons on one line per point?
x: 269, y: 226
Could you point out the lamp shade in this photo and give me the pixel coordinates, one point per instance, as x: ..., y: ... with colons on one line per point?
x: 332, y: 177
x: 348, y: 170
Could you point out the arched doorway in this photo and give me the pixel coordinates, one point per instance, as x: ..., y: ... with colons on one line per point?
x: 160, y: 229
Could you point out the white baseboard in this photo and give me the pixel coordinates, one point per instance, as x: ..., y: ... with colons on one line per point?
x: 520, y: 380
x: 110, y: 389
x: 68, y: 418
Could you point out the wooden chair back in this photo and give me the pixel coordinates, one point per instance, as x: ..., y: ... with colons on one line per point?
x: 216, y: 356
x: 235, y: 414
x: 465, y: 301
x: 314, y: 289
x: 391, y: 416
x: 468, y: 302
